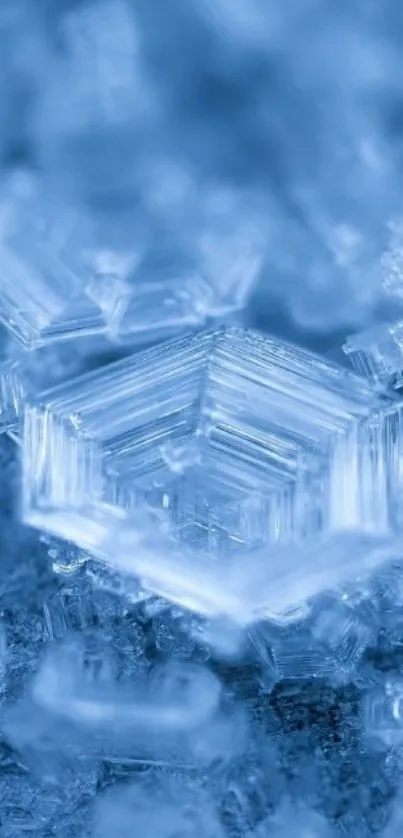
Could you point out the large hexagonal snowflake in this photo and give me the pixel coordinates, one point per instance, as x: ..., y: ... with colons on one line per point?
x: 241, y: 441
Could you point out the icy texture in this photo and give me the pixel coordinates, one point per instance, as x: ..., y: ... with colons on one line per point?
x: 65, y: 275
x: 157, y: 309
x: 383, y: 711
x: 28, y: 807
x: 345, y: 633
x: 37, y: 297
x: 233, y: 775
x: 13, y: 391
x: 237, y: 442
x: 329, y: 645
x: 42, y: 277
x: 378, y: 354
x: 22, y: 374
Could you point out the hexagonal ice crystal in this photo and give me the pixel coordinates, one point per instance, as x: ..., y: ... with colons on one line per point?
x: 239, y: 442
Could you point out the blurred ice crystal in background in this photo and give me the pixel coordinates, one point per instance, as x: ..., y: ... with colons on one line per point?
x: 201, y: 424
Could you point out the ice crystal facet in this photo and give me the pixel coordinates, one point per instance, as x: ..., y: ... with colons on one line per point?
x: 377, y: 353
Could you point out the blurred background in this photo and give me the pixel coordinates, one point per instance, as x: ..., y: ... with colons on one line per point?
x: 292, y: 110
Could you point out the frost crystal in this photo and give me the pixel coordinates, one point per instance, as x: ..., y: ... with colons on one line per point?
x: 286, y: 448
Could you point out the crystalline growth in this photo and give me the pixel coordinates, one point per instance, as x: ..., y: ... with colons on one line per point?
x: 163, y: 298
x: 30, y: 808
x: 143, y: 409
x: 238, y: 442
x: 344, y: 634
x: 329, y: 645
x: 43, y: 276
x: 67, y: 611
x: 23, y: 373
x: 377, y: 353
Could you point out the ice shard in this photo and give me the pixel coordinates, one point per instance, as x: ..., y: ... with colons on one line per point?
x: 377, y: 353
x: 280, y: 449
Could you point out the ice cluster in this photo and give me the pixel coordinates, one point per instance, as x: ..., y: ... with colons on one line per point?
x: 201, y: 422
